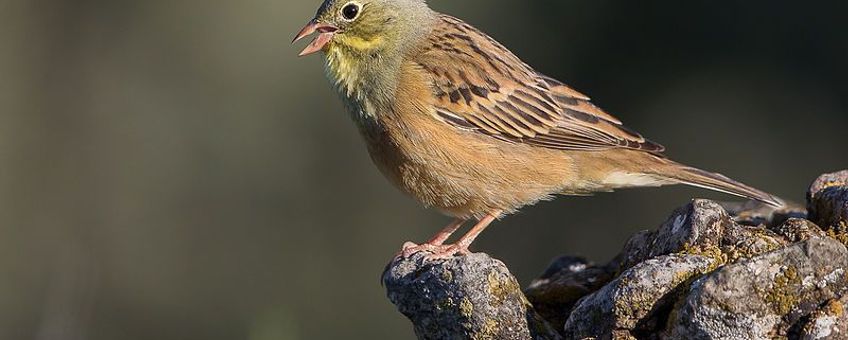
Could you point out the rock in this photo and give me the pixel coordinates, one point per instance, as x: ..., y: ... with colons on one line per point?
x: 701, y: 224
x: 702, y: 227
x: 565, y: 281
x: 636, y: 250
x: 763, y: 297
x: 753, y: 213
x: 828, y: 323
x: 796, y: 230
x: 710, y: 271
x: 638, y: 301
x: 464, y: 297
x: 827, y: 202
x: 742, y: 242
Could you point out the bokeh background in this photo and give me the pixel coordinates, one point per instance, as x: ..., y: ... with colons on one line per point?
x: 170, y: 169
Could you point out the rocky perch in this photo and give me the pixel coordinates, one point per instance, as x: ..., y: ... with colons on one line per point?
x: 710, y: 271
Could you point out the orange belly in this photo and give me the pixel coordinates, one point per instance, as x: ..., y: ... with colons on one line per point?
x: 465, y: 174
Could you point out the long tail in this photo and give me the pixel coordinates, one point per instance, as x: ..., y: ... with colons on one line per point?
x: 718, y: 182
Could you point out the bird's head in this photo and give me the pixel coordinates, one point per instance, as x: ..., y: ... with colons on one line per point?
x: 365, y: 26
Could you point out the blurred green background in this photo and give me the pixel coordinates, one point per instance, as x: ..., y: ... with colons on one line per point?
x: 171, y: 170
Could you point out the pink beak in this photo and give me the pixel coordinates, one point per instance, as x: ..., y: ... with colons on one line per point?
x: 326, y: 32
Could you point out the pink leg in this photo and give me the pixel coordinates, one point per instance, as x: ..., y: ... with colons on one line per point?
x: 434, y: 243
x: 443, y: 235
x: 461, y: 246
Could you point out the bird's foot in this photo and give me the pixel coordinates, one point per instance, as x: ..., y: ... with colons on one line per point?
x: 446, y: 252
x: 436, y: 251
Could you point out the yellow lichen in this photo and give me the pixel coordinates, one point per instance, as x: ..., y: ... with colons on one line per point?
x: 710, y: 251
x: 500, y: 290
x: 834, y: 308
x: 782, y: 296
x: 447, y: 276
x: 830, y: 184
x: 488, y: 331
x: 761, y: 241
x: 841, y: 236
x: 445, y: 304
x: 466, y: 308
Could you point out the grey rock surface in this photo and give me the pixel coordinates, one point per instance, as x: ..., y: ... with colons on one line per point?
x: 567, y: 280
x: 637, y: 300
x: 763, y: 297
x: 700, y: 223
x: 710, y: 271
x: 830, y: 322
x: 465, y: 297
x: 827, y: 201
x: 797, y: 230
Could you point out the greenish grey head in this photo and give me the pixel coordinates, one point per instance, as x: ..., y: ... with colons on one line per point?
x: 365, y: 25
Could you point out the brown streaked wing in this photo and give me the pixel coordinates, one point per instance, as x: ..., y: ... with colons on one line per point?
x: 480, y: 85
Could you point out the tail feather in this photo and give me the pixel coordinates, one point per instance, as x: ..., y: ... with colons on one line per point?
x: 718, y: 182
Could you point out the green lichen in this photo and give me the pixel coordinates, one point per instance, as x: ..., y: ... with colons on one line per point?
x: 447, y: 276
x: 636, y: 305
x: 500, y: 288
x: 685, y: 278
x: 630, y: 307
x: 710, y: 251
x: 466, y: 308
x: 622, y: 335
x: 771, y: 240
x: 756, y: 241
x: 445, y: 304
x: 759, y: 241
x: 783, y: 295
x: 488, y: 331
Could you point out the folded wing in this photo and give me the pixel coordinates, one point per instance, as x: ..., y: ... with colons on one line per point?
x: 481, y: 86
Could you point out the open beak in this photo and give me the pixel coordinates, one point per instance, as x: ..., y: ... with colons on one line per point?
x: 325, y: 34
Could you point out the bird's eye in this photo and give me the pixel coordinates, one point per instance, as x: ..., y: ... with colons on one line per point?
x: 350, y: 11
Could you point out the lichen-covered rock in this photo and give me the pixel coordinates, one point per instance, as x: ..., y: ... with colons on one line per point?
x: 711, y: 271
x: 702, y: 227
x: 638, y: 301
x: 828, y: 323
x: 565, y: 281
x: 742, y: 242
x: 464, y: 297
x: 701, y: 222
x: 753, y: 213
x: 797, y: 229
x: 764, y: 296
x: 827, y: 202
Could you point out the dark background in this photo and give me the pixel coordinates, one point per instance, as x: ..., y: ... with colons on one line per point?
x: 171, y: 170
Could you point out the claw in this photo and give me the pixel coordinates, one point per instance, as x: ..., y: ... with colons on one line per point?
x: 446, y: 253
x: 436, y: 252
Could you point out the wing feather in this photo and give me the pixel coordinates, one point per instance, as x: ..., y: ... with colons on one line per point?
x: 481, y: 86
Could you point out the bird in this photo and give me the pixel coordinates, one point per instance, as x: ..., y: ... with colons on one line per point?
x: 457, y: 121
